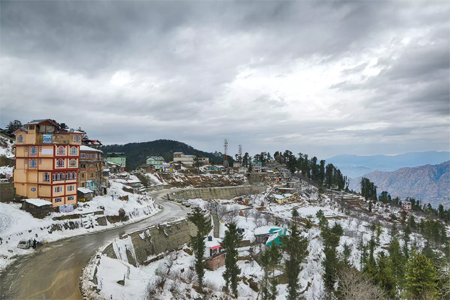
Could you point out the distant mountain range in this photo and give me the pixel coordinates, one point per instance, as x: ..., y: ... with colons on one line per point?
x: 429, y: 183
x: 137, y: 153
x: 353, y: 165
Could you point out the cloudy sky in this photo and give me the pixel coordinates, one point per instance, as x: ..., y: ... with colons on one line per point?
x: 323, y: 78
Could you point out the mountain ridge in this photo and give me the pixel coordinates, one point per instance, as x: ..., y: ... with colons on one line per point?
x: 356, y: 165
x: 429, y: 183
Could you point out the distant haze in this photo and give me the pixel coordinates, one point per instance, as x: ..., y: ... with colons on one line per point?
x: 317, y: 77
x: 353, y: 165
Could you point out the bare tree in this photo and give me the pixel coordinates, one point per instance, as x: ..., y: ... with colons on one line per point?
x: 221, y: 211
x: 247, y: 213
x: 443, y: 274
x: 353, y: 285
x: 258, y: 218
x: 268, y: 218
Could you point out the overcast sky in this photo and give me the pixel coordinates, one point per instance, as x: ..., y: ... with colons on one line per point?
x: 322, y: 78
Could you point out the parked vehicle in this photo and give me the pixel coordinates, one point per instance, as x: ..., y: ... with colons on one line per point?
x: 181, y: 200
x: 25, y: 244
x: 187, y: 204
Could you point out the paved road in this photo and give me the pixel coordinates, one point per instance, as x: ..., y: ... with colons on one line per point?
x: 54, y: 271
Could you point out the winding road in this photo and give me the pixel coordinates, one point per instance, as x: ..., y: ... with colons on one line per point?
x: 53, y: 272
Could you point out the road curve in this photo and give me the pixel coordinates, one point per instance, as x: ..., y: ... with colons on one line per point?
x: 53, y: 272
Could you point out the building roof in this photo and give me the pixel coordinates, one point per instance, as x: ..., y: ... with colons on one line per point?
x: 267, y: 230
x: 39, y: 121
x: 38, y: 202
x: 84, y: 190
x: 178, y: 153
x: 89, y: 149
x: 156, y: 157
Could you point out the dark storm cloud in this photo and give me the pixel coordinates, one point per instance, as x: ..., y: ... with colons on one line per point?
x: 191, y: 71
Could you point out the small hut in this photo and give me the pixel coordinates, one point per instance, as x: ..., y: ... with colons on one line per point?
x: 38, y: 208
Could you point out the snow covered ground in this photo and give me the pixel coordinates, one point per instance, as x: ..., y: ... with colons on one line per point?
x: 16, y: 224
x: 6, y: 147
x: 145, y: 282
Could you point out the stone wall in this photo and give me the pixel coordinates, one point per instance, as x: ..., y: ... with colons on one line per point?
x: 151, y: 242
x: 7, y: 192
x: 219, y: 193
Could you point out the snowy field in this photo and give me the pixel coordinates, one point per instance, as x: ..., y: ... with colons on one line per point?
x: 16, y: 224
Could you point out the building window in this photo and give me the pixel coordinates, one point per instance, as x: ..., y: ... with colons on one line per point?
x: 61, y: 150
x: 83, y: 166
x: 20, y: 138
x: 33, y: 163
x: 74, y: 175
x: 63, y: 176
x: 83, y: 155
x: 70, y: 198
x: 58, y: 200
x: 82, y: 184
x: 73, y: 151
x: 72, y: 163
x: 31, y: 127
x: 69, y: 176
x: 60, y: 163
x: 70, y: 188
x: 33, y: 150
x: 92, y: 175
x: 91, y: 165
x: 82, y: 175
x: 33, y: 189
x: 77, y: 138
x: 58, y: 189
x: 46, y: 177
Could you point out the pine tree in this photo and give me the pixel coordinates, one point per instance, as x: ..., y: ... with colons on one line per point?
x: 275, y: 258
x: 229, y: 244
x: 198, y: 242
x: 331, y: 237
x: 296, y: 247
x: 347, y: 252
x: 398, y: 260
x: 420, y: 278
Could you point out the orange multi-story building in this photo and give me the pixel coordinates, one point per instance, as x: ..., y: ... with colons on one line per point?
x: 47, y: 161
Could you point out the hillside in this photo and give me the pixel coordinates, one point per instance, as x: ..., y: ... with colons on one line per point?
x: 355, y: 165
x: 138, y: 152
x: 429, y: 183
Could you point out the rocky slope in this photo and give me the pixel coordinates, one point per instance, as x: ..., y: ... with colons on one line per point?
x: 429, y: 183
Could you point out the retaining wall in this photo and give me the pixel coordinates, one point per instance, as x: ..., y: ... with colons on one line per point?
x: 148, y: 243
x: 7, y: 192
x: 219, y: 192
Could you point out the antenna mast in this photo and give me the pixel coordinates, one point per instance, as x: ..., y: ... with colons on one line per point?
x: 240, y: 154
x: 225, y: 158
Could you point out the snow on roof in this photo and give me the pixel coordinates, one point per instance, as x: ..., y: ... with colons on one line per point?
x: 288, y: 195
x: 84, y: 190
x: 215, y: 243
x: 38, y: 202
x: 267, y: 230
x: 134, y: 181
x: 279, y: 197
x: 89, y: 149
x: 105, y: 170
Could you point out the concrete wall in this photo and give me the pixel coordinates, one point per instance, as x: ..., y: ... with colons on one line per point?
x: 148, y: 243
x: 219, y: 193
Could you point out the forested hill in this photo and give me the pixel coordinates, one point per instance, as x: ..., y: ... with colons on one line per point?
x: 137, y: 153
x: 429, y: 183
